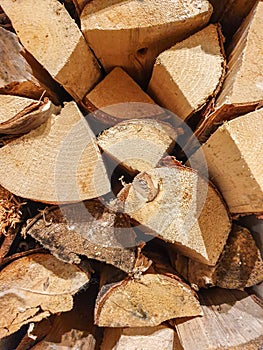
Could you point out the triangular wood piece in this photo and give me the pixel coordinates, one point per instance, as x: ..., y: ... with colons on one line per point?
x: 17, y: 76
x: 234, y: 159
x: 19, y: 115
x: 118, y: 97
x: 131, y: 34
x: 57, y: 162
x: 36, y: 286
x: 179, y: 206
x: 138, y: 144
x: 57, y: 43
x: 189, y: 74
x: 86, y: 229
x: 148, y: 300
x: 232, y: 320
x: 240, y: 265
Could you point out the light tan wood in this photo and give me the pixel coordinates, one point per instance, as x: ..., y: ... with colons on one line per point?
x: 118, y: 97
x: 242, y: 91
x: 133, y: 32
x: 17, y: 76
x: 180, y: 207
x: 154, y: 338
x: 57, y: 162
x: 34, y: 287
x: 86, y: 229
x: 232, y: 320
x: 234, y: 158
x: 138, y: 144
x: 146, y: 300
x: 49, y: 33
x: 19, y: 115
x: 186, y: 76
x: 239, y: 266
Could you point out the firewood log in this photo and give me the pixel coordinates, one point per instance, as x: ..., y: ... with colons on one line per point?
x: 131, y: 34
x: 57, y: 44
x: 234, y: 155
x: 186, y: 76
x: 117, y: 97
x: 57, y: 162
x: 138, y: 144
x: 180, y: 207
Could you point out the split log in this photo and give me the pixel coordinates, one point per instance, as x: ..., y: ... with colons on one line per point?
x: 57, y: 44
x: 179, y: 206
x: 189, y: 74
x: 17, y: 76
x: 88, y: 229
x: 232, y: 320
x: 133, y: 33
x: 19, y: 115
x: 34, y: 287
x: 242, y: 90
x: 233, y: 155
x: 154, y: 338
x: 138, y: 144
x: 231, y: 14
x: 57, y: 162
x: 239, y: 266
x: 117, y: 97
x: 147, y: 299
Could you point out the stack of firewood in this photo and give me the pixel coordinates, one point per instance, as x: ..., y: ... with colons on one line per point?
x: 131, y: 161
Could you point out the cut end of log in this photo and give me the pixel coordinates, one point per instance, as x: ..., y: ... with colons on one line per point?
x: 175, y: 87
x: 138, y: 144
x: 73, y: 170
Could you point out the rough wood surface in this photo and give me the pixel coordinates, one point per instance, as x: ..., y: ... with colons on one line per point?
x: 186, y: 76
x: 57, y: 162
x: 118, y: 97
x: 179, y: 206
x: 234, y: 157
x: 239, y: 266
x: 242, y: 91
x: 19, y: 115
x: 89, y: 229
x: 138, y: 144
x: 35, y: 287
x: 143, y: 338
x: 232, y: 320
x: 57, y: 44
x: 133, y: 33
x: 17, y: 76
x: 147, y: 300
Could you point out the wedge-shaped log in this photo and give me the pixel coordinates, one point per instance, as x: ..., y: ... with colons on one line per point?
x: 154, y: 338
x: 232, y: 320
x: 242, y: 91
x: 234, y: 157
x: 36, y: 286
x: 138, y: 144
x: 179, y: 206
x: 19, y: 115
x: 149, y: 300
x: 57, y: 43
x: 239, y: 266
x: 57, y: 162
x: 133, y: 32
x: 90, y: 229
x: 117, y: 97
x: 189, y: 74
x: 17, y: 76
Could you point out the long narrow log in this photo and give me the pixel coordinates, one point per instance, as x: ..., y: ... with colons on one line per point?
x: 133, y: 33
x: 57, y: 44
x: 57, y: 162
x: 189, y: 75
